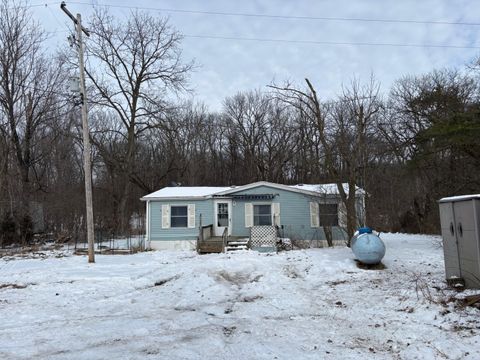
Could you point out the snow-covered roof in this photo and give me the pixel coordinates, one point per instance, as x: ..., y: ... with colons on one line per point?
x: 185, y: 192
x: 178, y: 192
x: 331, y: 189
x: 460, y: 198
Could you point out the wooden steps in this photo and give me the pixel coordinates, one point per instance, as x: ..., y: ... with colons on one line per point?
x: 212, y: 245
x: 215, y: 245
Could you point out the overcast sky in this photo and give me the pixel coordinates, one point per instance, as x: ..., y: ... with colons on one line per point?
x: 226, y: 66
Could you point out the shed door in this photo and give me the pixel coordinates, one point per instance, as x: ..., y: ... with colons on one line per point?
x: 223, y: 217
x: 467, y: 241
x: 450, y: 241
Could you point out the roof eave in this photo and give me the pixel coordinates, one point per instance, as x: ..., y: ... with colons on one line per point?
x: 274, y: 185
x: 176, y: 198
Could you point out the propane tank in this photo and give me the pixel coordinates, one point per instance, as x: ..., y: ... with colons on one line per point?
x: 367, y: 246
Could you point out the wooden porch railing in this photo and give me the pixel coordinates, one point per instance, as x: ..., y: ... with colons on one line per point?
x: 204, y: 233
x: 225, y: 239
x: 207, y: 242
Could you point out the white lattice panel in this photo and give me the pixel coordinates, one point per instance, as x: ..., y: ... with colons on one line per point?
x: 263, y: 236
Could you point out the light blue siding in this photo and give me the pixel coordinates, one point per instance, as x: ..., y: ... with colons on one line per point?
x: 204, y: 207
x: 294, y: 214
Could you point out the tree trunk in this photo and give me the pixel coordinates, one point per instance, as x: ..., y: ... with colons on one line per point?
x: 328, y: 235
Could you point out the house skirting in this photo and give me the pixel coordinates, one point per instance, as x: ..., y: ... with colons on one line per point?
x: 172, y: 245
x: 192, y: 244
x: 305, y: 244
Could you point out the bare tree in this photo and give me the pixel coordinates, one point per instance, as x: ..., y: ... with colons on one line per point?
x: 29, y: 83
x: 260, y: 131
x: 246, y: 116
x: 134, y: 65
x: 343, y: 128
x: 432, y: 129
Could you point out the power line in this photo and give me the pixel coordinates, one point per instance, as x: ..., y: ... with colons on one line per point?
x: 311, y: 42
x: 44, y: 4
x: 58, y: 31
x: 56, y: 18
x: 289, y: 17
x: 315, y: 42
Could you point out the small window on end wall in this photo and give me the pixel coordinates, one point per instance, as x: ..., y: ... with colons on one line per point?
x: 262, y: 215
x: 178, y: 216
x: 328, y: 214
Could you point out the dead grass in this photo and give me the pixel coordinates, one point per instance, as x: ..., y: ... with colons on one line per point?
x: 379, y: 266
x: 337, y: 282
x: 250, y: 299
x: 13, y: 286
x: 164, y: 281
x: 422, y: 288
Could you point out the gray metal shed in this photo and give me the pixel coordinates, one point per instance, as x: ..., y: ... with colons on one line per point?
x: 460, y: 221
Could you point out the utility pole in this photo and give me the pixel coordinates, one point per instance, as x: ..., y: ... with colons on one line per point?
x: 87, y: 165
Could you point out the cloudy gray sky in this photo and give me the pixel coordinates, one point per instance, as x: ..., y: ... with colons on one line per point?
x: 227, y: 66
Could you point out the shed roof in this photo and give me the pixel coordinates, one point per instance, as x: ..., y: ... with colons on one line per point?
x: 459, y: 198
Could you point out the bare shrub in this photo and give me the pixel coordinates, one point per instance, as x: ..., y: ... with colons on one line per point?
x: 422, y: 288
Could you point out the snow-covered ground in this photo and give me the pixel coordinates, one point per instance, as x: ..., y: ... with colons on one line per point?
x: 305, y: 304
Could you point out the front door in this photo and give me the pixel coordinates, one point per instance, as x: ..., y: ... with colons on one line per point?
x: 223, y: 217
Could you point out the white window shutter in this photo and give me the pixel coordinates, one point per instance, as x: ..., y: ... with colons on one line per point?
x: 248, y: 215
x: 314, y: 216
x: 276, y: 213
x: 191, y: 215
x: 165, y: 216
x: 342, y: 215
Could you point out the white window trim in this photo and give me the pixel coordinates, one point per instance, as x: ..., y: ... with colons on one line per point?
x: 165, y: 216
x: 271, y: 212
x: 178, y: 227
x: 248, y: 215
x: 191, y: 216
x: 276, y: 219
x: 191, y: 220
x: 314, y: 215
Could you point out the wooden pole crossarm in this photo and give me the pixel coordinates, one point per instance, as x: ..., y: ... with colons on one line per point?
x: 63, y: 6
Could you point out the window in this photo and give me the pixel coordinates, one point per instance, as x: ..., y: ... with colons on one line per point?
x: 222, y: 214
x: 262, y: 215
x: 328, y: 214
x: 178, y: 217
